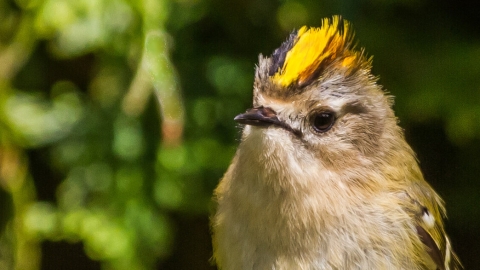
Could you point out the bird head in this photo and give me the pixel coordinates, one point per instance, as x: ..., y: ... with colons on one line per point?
x: 317, y: 91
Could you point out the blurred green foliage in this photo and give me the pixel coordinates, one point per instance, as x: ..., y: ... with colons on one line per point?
x: 116, y: 117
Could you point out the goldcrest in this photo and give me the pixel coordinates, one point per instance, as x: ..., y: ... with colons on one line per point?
x: 323, y: 177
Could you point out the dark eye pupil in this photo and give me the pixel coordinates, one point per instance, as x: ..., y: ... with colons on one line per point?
x: 323, y: 121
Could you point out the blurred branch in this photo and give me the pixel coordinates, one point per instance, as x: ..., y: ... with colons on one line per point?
x: 156, y: 63
x: 14, y: 173
x: 15, y: 179
x: 167, y: 89
x: 15, y: 54
x: 140, y: 89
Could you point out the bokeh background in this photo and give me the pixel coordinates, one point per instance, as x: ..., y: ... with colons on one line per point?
x: 116, y: 117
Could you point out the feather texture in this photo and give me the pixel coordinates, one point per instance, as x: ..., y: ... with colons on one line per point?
x: 323, y: 177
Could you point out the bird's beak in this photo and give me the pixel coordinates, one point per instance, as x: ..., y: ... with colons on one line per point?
x: 264, y: 117
x: 260, y: 116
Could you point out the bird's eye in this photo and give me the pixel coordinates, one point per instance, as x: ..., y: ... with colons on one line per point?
x: 323, y: 121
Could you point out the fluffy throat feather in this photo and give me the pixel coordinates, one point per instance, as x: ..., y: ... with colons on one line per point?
x: 303, y: 57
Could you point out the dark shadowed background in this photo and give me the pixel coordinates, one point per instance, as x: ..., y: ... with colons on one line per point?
x: 95, y: 174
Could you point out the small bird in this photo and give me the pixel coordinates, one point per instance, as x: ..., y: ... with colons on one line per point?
x: 323, y: 177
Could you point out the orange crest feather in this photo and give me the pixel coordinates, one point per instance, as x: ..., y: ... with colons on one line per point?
x: 314, y: 47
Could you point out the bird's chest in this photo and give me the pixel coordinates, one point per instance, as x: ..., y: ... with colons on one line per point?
x: 308, y: 229
x: 281, y: 211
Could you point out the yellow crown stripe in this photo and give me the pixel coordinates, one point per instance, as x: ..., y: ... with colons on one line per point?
x: 312, y: 48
